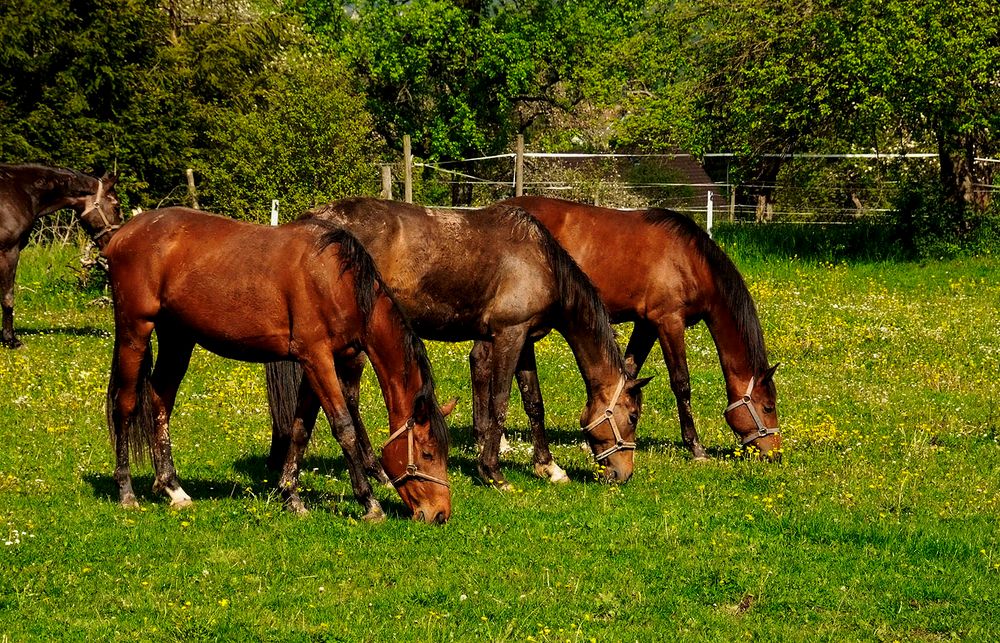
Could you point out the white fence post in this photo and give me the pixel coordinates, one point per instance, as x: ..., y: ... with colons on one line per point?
x: 274, y: 212
x: 708, y: 223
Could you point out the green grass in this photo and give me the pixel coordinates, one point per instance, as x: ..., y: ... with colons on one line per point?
x: 881, y: 523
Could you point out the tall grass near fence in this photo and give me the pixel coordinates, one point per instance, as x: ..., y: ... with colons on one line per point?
x: 880, y: 524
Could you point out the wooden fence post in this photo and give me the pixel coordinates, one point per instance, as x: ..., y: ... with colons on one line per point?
x: 192, y: 193
x: 732, y: 203
x: 387, y: 182
x: 407, y: 170
x: 519, y: 167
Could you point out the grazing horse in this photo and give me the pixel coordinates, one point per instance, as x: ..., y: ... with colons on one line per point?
x: 660, y: 270
x: 305, y: 291
x: 495, y: 275
x: 28, y: 192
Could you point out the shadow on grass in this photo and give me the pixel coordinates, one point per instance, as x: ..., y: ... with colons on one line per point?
x: 69, y: 331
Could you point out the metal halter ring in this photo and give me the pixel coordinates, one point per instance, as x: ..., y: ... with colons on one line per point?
x: 609, y: 417
x: 412, y: 471
x: 762, y: 431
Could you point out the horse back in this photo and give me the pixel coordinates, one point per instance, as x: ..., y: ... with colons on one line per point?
x: 457, y: 274
x: 242, y: 290
x: 645, y: 264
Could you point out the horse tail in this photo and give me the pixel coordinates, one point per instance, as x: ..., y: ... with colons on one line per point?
x: 283, y: 381
x: 140, y: 425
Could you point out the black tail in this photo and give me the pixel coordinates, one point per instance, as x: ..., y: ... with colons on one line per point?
x: 283, y: 381
x: 139, y: 426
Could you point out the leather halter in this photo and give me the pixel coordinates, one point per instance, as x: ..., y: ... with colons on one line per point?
x: 411, y: 462
x: 762, y: 431
x: 96, y: 205
x: 609, y: 417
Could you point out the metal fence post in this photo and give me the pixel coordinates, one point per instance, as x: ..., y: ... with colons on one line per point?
x: 709, y: 213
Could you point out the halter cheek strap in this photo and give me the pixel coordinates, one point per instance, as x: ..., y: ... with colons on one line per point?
x: 762, y: 431
x: 412, y: 471
x: 96, y: 205
x: 609, y: 417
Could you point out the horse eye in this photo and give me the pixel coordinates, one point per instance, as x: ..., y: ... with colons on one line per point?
x: 768, y: 409
x: 427, y: 455
x: 633, y: 418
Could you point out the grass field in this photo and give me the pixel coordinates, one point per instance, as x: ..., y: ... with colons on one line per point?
x: 880, y: 524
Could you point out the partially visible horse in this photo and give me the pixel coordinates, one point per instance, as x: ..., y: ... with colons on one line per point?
x: 660, y: 270
x: 305, y: 291
x: 28, y: 192
x: 495, y: 275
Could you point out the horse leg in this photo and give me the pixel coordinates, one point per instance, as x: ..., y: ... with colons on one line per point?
x: 172, y: 358
x: 298, y: 434
x: 480, y: 364
x: 531, y: 397
x: 123, y: 398
x: 8, y: 270
x: 639, y: 344
x: 506, y: 349
x: 675, y: 355
x: 322, y: 376
x: 349, y: 373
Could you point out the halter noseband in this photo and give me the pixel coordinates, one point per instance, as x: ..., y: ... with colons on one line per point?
x: 411, y: 463
x: 96, y: 205
x: 762, y: 431
x: 609, y: 417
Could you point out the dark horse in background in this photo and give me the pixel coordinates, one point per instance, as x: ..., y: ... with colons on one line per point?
x: 28, y: 192
x: 493, y: 275
x: 658, y: 269
x: 304, y: 291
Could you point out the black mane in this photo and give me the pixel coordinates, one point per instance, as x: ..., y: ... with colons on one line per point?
x: 577, y: 293
x: 728, y: 281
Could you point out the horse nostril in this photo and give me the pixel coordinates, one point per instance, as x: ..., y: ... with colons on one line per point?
x: 418, y: 515
x: 440, y: 518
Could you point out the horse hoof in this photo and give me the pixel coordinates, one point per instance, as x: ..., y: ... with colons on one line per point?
x: 701, y: 458
x: 13, y: 344
x: 130, y: 503
x: 374, y: 516
x: 552, y: 472
x: 181, y: 503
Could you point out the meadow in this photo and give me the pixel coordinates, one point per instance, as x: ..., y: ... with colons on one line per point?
x: 880, y: 524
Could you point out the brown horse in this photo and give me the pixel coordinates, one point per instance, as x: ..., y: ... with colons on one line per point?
x: 660, y: 270
x: 305, y: 291
x: 495, y: 275
x: 28, y: 192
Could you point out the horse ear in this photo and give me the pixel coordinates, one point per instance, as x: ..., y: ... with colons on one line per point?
x: 109, y: 179
x: 769, y: 373
x: 636, y: 385
x: 449, y: 406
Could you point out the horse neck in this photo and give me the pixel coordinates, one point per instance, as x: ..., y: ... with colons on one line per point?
x: 55, y: 198
x: 734, y: 353
x: 600, y: 372
x: 385, y: 344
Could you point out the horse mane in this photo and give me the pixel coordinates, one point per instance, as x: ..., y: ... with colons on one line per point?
x: 368, y: 285
x: 71, y: 180
x: 727, y: 278
x: 577, y: 294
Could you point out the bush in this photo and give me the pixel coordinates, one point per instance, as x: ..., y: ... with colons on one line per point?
x: 930, y: 223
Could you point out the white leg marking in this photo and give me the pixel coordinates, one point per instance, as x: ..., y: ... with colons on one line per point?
x: 178, y: 498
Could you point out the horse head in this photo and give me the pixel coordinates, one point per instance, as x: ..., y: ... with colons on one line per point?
x: 415, y: 457
x: 611, y: 430
x: 100, y: 210
x: 754, y: 416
